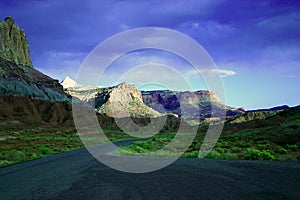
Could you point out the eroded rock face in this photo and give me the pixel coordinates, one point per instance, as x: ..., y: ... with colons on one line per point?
x: 13, y: 43
x: 26, y: 81
x: 123, y: 101
x: 201, y: 103
x: 17, y: 76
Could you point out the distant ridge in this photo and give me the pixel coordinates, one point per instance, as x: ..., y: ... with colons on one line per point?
x: 150, y: 103
x: 283, y: 107
x: 260, y: 114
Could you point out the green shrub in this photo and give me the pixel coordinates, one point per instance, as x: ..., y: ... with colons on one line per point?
x: 225, y: 156
x: 193, y: 154
x: 244, y: 144
x: 263, y: 146
x: 294, y: 126
x: 228, y: 156
x: 285, y: 158
x: 43, y: 150
x: 12, y: 156
x: 281, y: 150
x: 5, y: 163
x: 213, y: 154
x: 258, y: 155
x: 224, y: 144
x: 292, y: 147
x: 263, y: 142
x: 219, y: 150
x: 235, y: 149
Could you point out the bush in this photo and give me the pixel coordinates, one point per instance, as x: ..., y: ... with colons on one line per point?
x: 216, y: 155
x: 224, y: 144
x: 193, y: 154
x: 5, y: 163
x: 263, y: 146
x: 258, y: 155
x: 281, y: 150
x: 244, y: 144
x: 213, y: 154
x: 292, y: 147
x: 17, y: 155
x: 43, y: 150
x: 220, y: 150
x: 236, y: 149
x: 294, y: 126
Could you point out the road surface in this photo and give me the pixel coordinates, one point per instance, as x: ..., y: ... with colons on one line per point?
x: 77, y: 175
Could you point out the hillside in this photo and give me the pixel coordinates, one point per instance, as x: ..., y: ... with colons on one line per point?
x: 198, y: 104
x: 111, y: 101
x: 276, y: 137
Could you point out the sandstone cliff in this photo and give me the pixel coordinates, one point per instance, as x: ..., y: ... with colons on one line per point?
x: 198, y: 103
x: 123, y: 101
x: 17, y: 76
x: 118, y: 101
x: 13, y: 43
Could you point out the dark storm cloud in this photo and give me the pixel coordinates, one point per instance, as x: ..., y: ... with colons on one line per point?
x: 231, y: 31
x: 255, y: 41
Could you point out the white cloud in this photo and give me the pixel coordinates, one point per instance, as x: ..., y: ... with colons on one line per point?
x: 210, y: 72
x: 224, y: 72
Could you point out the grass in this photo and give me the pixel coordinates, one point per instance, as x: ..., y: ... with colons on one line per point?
x: 22, y: 145
x: 28, y: 144
x: 268, y: 142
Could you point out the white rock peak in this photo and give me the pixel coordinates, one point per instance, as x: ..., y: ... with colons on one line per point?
x: 68, y: 83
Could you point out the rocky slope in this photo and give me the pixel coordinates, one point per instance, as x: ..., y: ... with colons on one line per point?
x: 26, y: 81
x: 21, y: 111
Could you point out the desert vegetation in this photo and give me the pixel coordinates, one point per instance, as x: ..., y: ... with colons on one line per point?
x: 32, y: 143
x: 274, y: 138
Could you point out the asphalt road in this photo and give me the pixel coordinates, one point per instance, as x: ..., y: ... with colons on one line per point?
x: 77, y: 175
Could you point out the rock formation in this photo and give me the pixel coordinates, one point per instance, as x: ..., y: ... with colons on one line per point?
x: 123, y: 101
x: 27, y: 96
x: 198, y: 103
x: 68, y: 83
x: 13, y: 43
x: 17, y: 76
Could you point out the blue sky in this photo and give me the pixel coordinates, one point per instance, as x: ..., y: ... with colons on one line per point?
x: 255, y: 44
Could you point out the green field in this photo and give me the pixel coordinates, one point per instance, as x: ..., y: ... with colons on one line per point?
x: 31, y: 143
x: 275, y: 138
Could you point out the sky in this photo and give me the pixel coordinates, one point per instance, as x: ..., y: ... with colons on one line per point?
x: 255, y: 45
